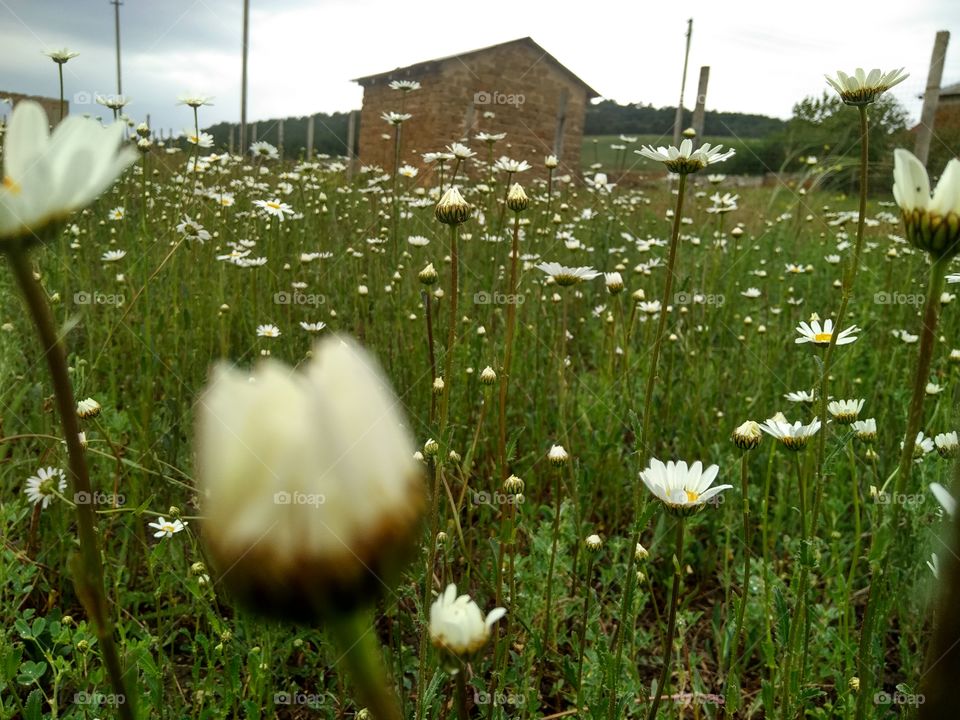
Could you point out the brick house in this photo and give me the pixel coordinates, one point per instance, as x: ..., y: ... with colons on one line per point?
x: 51, y: 106
x: 536, y: 101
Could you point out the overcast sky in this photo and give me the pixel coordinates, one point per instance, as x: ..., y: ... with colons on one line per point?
x: 764, y: 54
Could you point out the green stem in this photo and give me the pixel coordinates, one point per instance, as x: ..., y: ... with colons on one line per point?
x: 88, y: 570
x: 626, y: 608
x: 547, y: 625
x: 461, y: 683
x: 583, y: 629
x: 733, y: 687
x: 671, y: 619
x: 880, y: 570
x: 357, y: 641
x: 451, y: 330
x: 508, y: 346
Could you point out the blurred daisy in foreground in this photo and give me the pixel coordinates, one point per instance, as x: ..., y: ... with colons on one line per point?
x: 45, y: 486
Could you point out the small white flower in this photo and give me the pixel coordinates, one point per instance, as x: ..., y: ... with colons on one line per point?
x: 113, y: 256
x: 166, y: 528
x: 457, y: 624
x: 822, y: 335
x: 44, y: 486
x: 862, y: 88
x: 268, y: 331
x: 793, y: 436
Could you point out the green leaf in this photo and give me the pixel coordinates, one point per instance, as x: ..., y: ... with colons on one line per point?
x: 33, y: 709
x: 31, y: 672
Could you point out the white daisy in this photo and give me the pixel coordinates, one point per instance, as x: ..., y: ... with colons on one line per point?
x: 44, y: 486
x: 685, y: 159
x: 457, y: 624
x: 679, y: 487
x: 565, y: 276
x: 268, y: 331
x: 166, y: 528
x: 113, y: 255
x: 792, y: 436
x: 822, y: 335
x: 274, y: 207
x: 862, y: 88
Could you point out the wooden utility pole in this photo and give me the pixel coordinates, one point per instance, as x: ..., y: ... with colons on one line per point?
x: 678, y: 120
x: 243, y: 78
x: 310, y: 123
x: 253, y: 134
x: 116, y: 19
x: 701, y: 106
x: 931, y: 96
x: 280, y: 138
x: 351, y: 137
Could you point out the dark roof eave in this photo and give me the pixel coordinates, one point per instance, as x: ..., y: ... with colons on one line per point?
x: 410, y: 71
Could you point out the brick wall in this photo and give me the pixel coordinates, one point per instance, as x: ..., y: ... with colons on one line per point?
x: 51, y: 106
x: 522, y: 89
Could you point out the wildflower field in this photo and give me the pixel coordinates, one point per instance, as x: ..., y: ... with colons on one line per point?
x: 281, y: 418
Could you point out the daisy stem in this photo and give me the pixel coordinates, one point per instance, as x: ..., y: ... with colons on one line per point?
x: 87, y: 569
x: 587, y: 591
x: 626, y: 608
x: 357, y: 641
x: 672, y: 615
x: 451, y: 330
x: 62, y: 103
x: 547, y: 630
x: 508, y: 346
x: 428, y: 581
x: 430, y: 351
x: 460, y: 681
x: 881, y: 584
x: 733, y: 688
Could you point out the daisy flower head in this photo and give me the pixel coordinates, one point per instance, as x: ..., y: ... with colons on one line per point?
x: 194, y: 100
x: 822, y: 335
x: 192, y: 230
x: 263, y: 149
x: 274, y: 207
x: 685, y: 159
x: 268, y: 331
x: 313, y: 327
x: 203, y: 140
x: 682, y: 489
x: 955, y: 278
x: 565, y: 276
x: 793, y: 436
x: 88, y: 409
x: 505, y: 164
x: 395, y: 118
x: 865, y: 430
x: 947, y: 444
x: 166, y: 528
x: 113, y: 256
x: 747, y: 436
x: 460, y: 151
x: 61, y: 56
x: 45, y: 485
x: 922, y: 446
x: 113, y: 102
x: 452, y: 208
x: 932, y: 223
x: 863, y: 88
x: 845, y: 411
x: 458, y: 626
x: 404, y: 85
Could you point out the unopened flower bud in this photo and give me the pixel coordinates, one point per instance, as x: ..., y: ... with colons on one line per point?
x: 452, y: 208
x: 488, y: 376
x: 428, y: 276
x: 517, y: 199
x: 513, y: 485
x: 747, y: 436
x: 593, y: 542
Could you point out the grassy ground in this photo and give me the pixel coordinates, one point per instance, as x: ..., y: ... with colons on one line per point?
x: 143, y: 331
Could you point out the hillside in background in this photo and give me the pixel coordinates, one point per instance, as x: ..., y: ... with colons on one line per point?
x: 611, y: 118
x: 603, y: 119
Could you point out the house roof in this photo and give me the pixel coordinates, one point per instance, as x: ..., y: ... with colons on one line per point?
x: 950, y: 89
x: 412, y: 71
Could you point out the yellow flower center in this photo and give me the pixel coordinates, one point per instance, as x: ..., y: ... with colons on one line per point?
x: 9, y: 184
x: 692, y: 496
x: 168, y: 527
x: 274, y: 205
x: 822, y: 337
